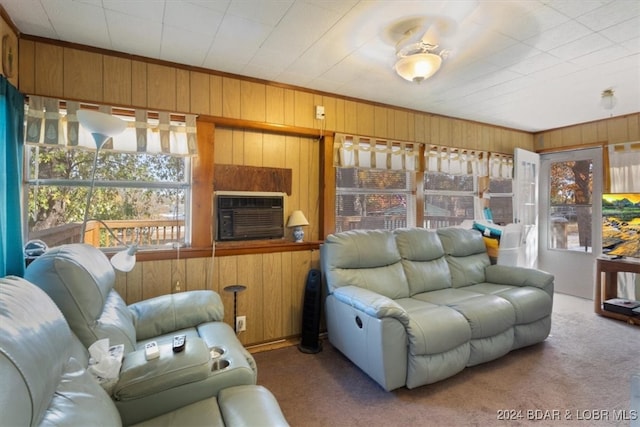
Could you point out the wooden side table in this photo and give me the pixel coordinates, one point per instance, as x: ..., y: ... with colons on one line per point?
x: 607, y: 284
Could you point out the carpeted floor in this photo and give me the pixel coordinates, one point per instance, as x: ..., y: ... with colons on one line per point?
x: 580, y: 376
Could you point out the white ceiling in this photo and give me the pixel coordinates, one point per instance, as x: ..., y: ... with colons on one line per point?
x: 531, y: 65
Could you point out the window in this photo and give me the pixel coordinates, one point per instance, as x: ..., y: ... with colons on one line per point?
x: 451, y: 185
x: 142, y: 197
x: 449, y: 199
x: 501, y: 200
x: 374, y: 183
x: 570, y: 205
x: 370, y: 199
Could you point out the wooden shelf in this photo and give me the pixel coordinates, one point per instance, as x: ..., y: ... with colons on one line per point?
x: 244, y: 247
x: 607, y: 284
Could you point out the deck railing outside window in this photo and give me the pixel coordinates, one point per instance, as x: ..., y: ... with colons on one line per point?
x: 150, y: 233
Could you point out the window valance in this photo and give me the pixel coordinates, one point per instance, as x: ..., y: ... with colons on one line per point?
x: 500, y: 166
x: 456, y: 161
x: 361, y: 152
x: 624, y: 167
x: 54, y: 122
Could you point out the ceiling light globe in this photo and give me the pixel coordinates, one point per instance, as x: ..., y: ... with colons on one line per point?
x: 418, y: 67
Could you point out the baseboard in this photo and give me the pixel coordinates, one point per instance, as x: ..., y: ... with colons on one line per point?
x: 273, y: 345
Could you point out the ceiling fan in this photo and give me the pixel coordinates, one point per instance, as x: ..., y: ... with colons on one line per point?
x: 418, y: 56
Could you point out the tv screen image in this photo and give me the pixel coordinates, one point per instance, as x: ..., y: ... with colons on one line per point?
x: 621, y: 224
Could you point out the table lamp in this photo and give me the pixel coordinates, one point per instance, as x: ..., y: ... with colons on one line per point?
x: 297, y: 220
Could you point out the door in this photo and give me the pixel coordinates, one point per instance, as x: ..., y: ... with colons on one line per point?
x: 570, y: 218
x: 525, y: 203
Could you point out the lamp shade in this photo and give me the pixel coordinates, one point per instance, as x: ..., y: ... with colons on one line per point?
x: 101, y: 125
x: 418, y: 67
x: 125, y: 260
x: 297, y: 219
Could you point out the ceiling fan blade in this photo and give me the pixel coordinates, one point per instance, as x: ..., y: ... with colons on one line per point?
x: 431, y: 35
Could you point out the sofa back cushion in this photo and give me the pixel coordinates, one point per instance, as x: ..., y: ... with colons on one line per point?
x: 423, y: 260
x: 365, y: 258
x: 466, y: 254
x: 79, y: 278
x: 42, y: 365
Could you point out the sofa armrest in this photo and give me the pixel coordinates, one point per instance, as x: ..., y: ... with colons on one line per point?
x: 520, y: 276
x: 168, y: 313
x: 250, y: 405
x: 140, y: 377
x: 371, y: 303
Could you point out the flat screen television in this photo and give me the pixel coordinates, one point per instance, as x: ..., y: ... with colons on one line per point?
x: 621, y: 224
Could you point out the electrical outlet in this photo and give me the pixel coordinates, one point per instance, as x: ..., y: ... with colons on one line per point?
x: 319, y: 112
x: 241, y: 323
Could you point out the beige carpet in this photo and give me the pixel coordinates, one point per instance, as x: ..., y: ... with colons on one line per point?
x: 577, y: 377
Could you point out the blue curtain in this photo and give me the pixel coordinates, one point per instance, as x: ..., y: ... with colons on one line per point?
x: 11, y: 142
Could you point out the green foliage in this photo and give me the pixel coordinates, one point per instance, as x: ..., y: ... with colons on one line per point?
x: 54, y: 205
x: 571, y: 182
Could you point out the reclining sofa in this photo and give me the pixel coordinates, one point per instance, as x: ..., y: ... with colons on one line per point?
x: 414, y: 306
x: 45, y: 381
x: 80, y: 280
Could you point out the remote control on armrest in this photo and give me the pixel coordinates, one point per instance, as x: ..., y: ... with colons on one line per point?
x: 151, y: 350
x: 179, y: 342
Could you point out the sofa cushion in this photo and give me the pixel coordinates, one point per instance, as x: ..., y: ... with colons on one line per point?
x: 365, y: 258
x: 530, y: 304
x: 466, y: 254
x: 447, y: 296
x: 423, y: 260
x: 488, y: 315
x: 436, y: 329
x: 461, y: 242
x: 192, y: 415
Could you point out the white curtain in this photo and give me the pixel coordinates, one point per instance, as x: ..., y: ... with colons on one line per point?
x: 624, y: 176
x: 624, y: 167
x: 500, y: 165
x: 54, y: 122
x: 456, y: 161
x: 360, y: 152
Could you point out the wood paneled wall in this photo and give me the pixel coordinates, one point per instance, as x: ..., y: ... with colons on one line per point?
x: 607, y: 131
x: 301, y: 155
x: 8, y: 67
x: 275, y: 281
x: 71, y: 72
x: 272, y: 301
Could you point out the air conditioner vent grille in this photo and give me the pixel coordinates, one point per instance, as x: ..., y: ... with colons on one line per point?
x: 249, y: 217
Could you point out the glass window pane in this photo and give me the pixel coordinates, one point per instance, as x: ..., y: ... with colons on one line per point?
x: 373, y: 199
x: 150, y: 216
x: 501, y: 209
x: 446, y: 182
x: 140, y: 196
x: 449, y: 199
x: 501, y: 200
x: 446, y: 210
x: 570, y: 209
x: 60, y: 163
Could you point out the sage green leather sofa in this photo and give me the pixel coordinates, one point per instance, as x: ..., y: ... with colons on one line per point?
x: 80, y: 279
x: 414, y: 306
x: 45, y: 382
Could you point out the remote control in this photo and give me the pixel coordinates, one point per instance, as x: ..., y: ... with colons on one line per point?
x: 151, y: 350
x: 179, y: 342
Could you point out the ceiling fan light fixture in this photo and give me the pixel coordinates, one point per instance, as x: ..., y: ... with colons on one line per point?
x: 418, y: 67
